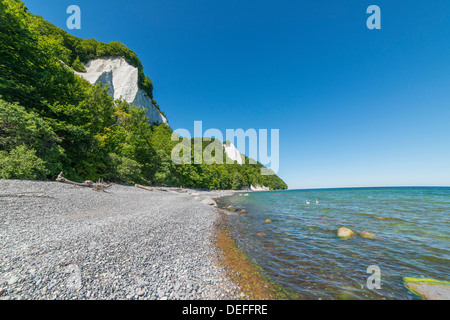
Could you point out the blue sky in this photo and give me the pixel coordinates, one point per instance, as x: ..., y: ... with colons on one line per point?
x: 355, y: 107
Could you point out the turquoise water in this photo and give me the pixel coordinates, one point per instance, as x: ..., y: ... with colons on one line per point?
x: 303, y: 253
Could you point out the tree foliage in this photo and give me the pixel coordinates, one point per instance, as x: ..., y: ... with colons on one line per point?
x: 21, y: 163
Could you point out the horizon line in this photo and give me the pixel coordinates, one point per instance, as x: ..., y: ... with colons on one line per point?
x: 369, y: 187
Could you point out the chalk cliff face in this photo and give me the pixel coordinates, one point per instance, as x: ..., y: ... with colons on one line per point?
x: 259, y: 188
x: 233, y: 153
x: 122, y: 79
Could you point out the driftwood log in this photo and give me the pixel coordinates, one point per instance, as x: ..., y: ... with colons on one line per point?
x: 171, y: 190
x: 143, y: 187
x: 99, y: 186
x: 160, y: 189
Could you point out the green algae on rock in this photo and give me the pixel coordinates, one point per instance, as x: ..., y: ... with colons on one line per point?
x: 428, y: 289
x: 368, y: 235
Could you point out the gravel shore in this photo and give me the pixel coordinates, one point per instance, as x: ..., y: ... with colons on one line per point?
x: 58, y: 241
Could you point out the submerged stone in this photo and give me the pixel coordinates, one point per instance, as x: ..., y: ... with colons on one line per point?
x: 261, y: 234
x: 368, y: 235
x: 388, y: 219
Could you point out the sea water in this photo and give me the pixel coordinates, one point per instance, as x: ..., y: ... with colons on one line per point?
x: 302, y: 252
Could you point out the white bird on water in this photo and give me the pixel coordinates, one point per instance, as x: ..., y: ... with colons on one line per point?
x: 307, y: 202
x: 317, y: 202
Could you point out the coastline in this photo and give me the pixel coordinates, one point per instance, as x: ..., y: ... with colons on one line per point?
x: 63, y: 242
x: 248, y: 276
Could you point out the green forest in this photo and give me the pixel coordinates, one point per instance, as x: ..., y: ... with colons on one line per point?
x: 52, y: 120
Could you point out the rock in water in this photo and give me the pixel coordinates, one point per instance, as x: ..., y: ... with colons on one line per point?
x: 261, y: 234
x: 388, y: 219
x: 122, y: 79
x: 368, y: 235
x: 428, y: 289
x: 268, y: 221
x: 345, y: 233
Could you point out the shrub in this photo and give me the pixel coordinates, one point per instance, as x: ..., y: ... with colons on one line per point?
x: 21, y: 128
x: 125, y: 169
x: 237, y: 181
x: 22, y: 163
x: 78, y: 65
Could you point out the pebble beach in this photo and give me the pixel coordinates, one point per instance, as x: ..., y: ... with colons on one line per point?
x: 58, y: 241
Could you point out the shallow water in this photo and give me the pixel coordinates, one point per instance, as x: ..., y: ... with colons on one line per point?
x: 303, y: 253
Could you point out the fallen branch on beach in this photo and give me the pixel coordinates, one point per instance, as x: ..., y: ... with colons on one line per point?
x: 179, y: 190
x: 99, y: 186
x: 143, y: 187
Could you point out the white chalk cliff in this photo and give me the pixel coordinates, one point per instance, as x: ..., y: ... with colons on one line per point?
x: 122, y: 79
x: 259, y: 188
x: 233, y: 153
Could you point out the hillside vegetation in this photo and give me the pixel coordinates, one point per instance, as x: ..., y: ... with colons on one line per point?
x: 51, y: 120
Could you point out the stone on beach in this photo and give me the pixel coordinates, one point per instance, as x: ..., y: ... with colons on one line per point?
x: 75, y: 244
x: 140, y: 293
x: 208, y: 201
x: 345, y: 233
x: 13, y: 280
x: 428, y: 289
